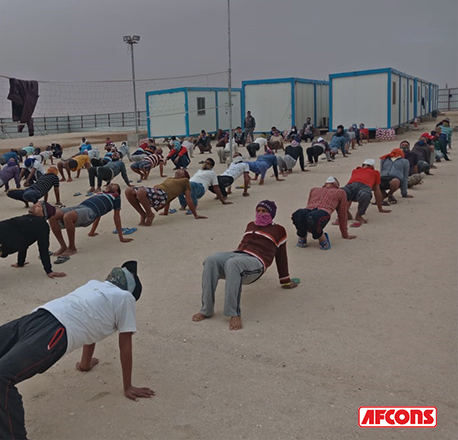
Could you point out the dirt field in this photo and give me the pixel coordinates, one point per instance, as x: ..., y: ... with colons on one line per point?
x: 373, y: 322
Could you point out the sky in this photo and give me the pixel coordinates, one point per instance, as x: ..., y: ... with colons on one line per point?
x: 82, y: 40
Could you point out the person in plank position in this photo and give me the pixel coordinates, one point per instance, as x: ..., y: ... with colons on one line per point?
x: 34, y: 343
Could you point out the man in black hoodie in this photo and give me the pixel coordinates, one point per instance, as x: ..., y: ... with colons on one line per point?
x: 34, y: 343
x: 19, y: 233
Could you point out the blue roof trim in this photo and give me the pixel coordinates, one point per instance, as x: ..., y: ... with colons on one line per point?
x: 283, y: 80
x: 359, y: 73
x: 192, y: 89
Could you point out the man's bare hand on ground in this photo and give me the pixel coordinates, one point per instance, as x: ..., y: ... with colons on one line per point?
x: 84, y: 368
x: 134, y: 393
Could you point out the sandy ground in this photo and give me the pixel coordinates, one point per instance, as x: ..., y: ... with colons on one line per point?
x: 373, y: 322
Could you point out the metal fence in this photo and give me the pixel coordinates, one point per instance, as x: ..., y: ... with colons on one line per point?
x: 124, y: 121
x: 448, y: 99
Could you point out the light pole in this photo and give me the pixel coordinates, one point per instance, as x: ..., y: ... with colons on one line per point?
x: 131, y: 40
x: 229, y: 76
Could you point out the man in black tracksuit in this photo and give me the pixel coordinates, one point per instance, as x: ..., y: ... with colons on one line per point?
x: 19, y: 233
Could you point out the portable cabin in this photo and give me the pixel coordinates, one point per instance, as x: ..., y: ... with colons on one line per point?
x: 283, y: 102
x: 186, y: 111
x: 379, y: 98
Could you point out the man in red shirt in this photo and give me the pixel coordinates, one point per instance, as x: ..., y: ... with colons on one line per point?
x: 363, y: 181
x: 320, y: 206
x: 262, y: 242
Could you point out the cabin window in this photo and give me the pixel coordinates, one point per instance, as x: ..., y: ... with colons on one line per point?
x: 411, y: 93
x: 200, y: 106
x: 394, y: 92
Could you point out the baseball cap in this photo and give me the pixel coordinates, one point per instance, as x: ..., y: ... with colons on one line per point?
x: 370, y: 162
x: 330, y: 179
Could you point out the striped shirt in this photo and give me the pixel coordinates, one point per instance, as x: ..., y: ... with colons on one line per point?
x: 44, y: 183
x: 154, y: 159
x: 267, y: 243
x: 103, y: 203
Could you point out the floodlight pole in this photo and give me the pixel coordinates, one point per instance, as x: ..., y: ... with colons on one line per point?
x: 131, y: 41
x: 229, y: 76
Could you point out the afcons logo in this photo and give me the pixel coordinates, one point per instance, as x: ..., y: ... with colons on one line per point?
x: 397, y: 417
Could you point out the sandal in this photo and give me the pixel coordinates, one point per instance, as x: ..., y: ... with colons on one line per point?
x: 126, y: 231
x: 392, y: 200
x: 77, y: 194
x: 62, y: 259
x: 301, y: 243
x: 172, y: 211
x: 326, y: 244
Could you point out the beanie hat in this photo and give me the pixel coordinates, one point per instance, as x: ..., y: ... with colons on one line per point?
x: 270, y: 206
x: 29, y: 162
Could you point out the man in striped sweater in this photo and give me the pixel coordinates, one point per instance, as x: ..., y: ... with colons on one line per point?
x: 144, y: 167
x: 262, y: 242
x: 39, y: 189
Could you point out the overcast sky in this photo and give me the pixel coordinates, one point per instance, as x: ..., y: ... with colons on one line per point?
x: 82, y: 39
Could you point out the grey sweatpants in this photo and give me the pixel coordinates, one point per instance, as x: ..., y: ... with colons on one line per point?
x: 236, y: 268
x: 359, y: 192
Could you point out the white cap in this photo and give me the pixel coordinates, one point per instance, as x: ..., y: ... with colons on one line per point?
x: 330, y: 179
x: 370, y: 162
x: 320, y: 139
x: 238, y: 159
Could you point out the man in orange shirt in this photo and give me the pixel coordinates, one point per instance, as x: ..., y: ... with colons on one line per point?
x: 363, y: 181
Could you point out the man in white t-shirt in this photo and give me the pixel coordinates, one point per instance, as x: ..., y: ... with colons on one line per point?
x: 259, y: 143
x: 201, y: 181
x: 236, y: 169
x: 32, y: 169
x: 34, y: 343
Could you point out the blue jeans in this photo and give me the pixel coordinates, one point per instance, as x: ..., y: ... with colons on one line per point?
x: 197, y: 192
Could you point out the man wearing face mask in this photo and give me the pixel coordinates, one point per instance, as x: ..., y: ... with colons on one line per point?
x: 34, y: 343
x: 262, y: 242
x: 107, y: 173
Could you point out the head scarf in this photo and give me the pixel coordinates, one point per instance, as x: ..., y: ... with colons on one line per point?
x: 294, y: 143
x: 396, y: 152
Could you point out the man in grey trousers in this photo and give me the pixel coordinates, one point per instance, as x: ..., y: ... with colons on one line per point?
x: 262, y: 242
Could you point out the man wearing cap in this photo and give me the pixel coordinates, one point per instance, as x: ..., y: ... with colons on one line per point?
x: 317, y: 148
x: 262, y: 242
x: 19, y: 233
x: 363, y: 181
x: 39, y: 189
x: 34, y: 343
x: 320, y: 206
x: 440, y: 145
x: 32, y: 169
x: 394, y: 172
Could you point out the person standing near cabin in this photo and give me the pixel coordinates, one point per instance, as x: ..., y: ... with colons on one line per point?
x: 250, y: 125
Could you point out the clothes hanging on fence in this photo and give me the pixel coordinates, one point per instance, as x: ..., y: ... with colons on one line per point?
x: 23, y: 96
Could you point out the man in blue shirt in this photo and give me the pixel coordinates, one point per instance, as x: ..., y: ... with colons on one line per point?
x: 85, y: 214
x: 262, y: 164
